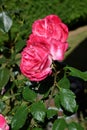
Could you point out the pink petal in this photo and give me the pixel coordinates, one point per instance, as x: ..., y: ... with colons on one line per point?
x: 58, y: 49
x: 2, y: 121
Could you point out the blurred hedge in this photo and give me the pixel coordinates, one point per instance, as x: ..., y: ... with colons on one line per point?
x: 73, y: 12
x: 24, y: 12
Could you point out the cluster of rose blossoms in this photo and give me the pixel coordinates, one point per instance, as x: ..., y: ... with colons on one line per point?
x: 46, y: 43
x: 3, y: 123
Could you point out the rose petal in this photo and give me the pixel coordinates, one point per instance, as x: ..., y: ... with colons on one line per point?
x: 35, y: 63
x: 3, y: 123
x: 58, y: 49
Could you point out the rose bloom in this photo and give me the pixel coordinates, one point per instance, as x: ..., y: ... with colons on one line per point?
x: 51, y: 27
x: 35, y: 60
x: 56, y: 49
x: 3, y: 123
x: 41, y: 42
x: 56, y: 32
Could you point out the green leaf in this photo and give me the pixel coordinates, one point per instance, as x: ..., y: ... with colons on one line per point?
x: 36, y: 129
x: 28, y: 94
x: 67, y: 99
x: 4, y: 77
x: 59, y: 124
x: 64, y: 83
x: 2, y: 106
x: 51, y: 113
x: 57, y: 100
x: 1, y: 23
x: 38, y: 111
x: 75, y: 126
x: 19, y: 118
x: 19, y: 46
x: 5, y: 22
x: 77, y: 73
x: 28, y: 128
x: 3, y: 60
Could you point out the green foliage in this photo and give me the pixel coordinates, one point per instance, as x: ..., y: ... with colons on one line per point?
x: 36, y: 129
x: 57, y: 100
x: 19, y: 45
x: 28, y: 94
x: 19, y: 118
x: 5, y: 22
x: 67, y: 99
x: 75, y: 126
x: 64, y: 82
x: 69, y: 11
x: 2, y: 106
x: 59, y: 124
x: 27, y: 105
x: 74, y: 10
x: 77, y: 73
x: 38, y: 111
x: 51, y: 113
x: 4, y: 77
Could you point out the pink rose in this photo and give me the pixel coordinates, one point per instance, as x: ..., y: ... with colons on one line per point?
x: 38, y: 41
x: 46, y: 43
x: 58, y: 49
x: 50, y: 27
x: 36, y: 61
x: 3, y: 123
x: 55, y: 32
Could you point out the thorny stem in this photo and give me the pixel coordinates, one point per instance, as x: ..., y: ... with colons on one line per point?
x: 53, y: 88
x: 14, y: 95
